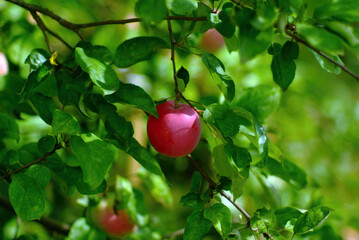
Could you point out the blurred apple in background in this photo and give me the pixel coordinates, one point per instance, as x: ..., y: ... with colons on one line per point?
x: 212, y: 41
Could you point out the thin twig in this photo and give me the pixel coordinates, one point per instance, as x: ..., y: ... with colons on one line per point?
x: 48, y: 223
x: 32, y: 163
x: 59, y: 38
x: 41, y: 24
x: 177, y: 92
x: 345, y: 69
x: 174, y: 234
x: 229, y: 198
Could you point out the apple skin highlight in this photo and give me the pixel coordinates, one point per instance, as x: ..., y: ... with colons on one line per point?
x: 177, y: 130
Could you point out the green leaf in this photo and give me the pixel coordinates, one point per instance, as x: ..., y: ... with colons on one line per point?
x: 40, y: 173
x: 97, y: 103
x: 288, y: 171
x: 64, y: 123
x: 321, y: 39
x: 35, y: 80
x: 311, y: 219
x: 192, y: 200
x: 94, y: 158
x: 157, y: 186
x: 327, y: 65
x: 101, y: 74
x: 10, y: 158
x: 343, y: 10
x: 46, y: 144
x: 182, y: 7
x: 119, y: 130
x: 265, y: 17
x: 8, y: 127
x: 135, y: 96
x: 225, y: 26
x: 196, y: 226
x: 151, y: 11
x: 123, y: 190
x: 285, y: 214
x: 81, y: 230
x: 26, y: 197
x: 196, y: 182
x: 137, y: 49
x: 261, y: 100
x: 252, y: 41
x: 283, y: 72
x: 37, y: 57
x: 262, y: 219
x: 45, y: 107
x: 75, y: 176
x: 217, y: 70
x: 290, y: 51
x: 275, y: 49
x: 221, y: 218
x: 182, y: 78
x: 141, y: 155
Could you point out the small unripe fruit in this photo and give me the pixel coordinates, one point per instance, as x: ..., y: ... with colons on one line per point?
x: 212, y: 41
x: 176, y: 131
x: 4, y: 68
x: 114, y: 224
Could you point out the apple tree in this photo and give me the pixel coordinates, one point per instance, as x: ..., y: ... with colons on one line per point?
x: 179, y: 119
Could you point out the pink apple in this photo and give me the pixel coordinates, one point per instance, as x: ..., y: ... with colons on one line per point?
x: 177, y: 130
x: 212, y: 41
x: 114, y: 224
x: 4, y: 67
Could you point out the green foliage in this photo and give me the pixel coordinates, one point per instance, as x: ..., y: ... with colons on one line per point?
x: 72, y: 119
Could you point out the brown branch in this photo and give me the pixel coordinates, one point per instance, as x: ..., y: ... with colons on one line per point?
x: 299, y: 40
x: 177, y: 92
x: 32, y: 163
x: 41, y: 24
x: 48, y: 223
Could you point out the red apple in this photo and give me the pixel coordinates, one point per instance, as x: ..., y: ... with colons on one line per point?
x: 4, y: 68
x: 176, y: 131
x: 212, y: 41
x: 114, y: 224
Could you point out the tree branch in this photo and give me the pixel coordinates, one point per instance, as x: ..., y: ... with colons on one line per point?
x: 41, y: 24
x: 59, y: 38
x: 32, y: 163
x: 299, y: 40
x: 48, y: 223
x: 177, y: 92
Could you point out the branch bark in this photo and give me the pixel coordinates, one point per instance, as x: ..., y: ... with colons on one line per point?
x: 299, y: 40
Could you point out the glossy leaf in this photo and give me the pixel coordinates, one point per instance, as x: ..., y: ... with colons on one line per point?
x: 261, y: 100
x: 327, y: 65
x: 37, y: 57
x: 283, y: 72
x: 81, y: 230
x: 225, y: 27
x: 311, y: 219
x: 285, y: 214
x: 100, y: 73
x: 290, y: 51
x: 217, y: 70
x: 196, y: 226
x: 263, y: 219
x: 94, y: 158
x: 135, y: 96
x: 137, y: 49
x: 26, y: 197
x: 182, y: 78
x: 63, y: 122
x: 119, y: 130
x: 182, y: 7
x: 221, y: 218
